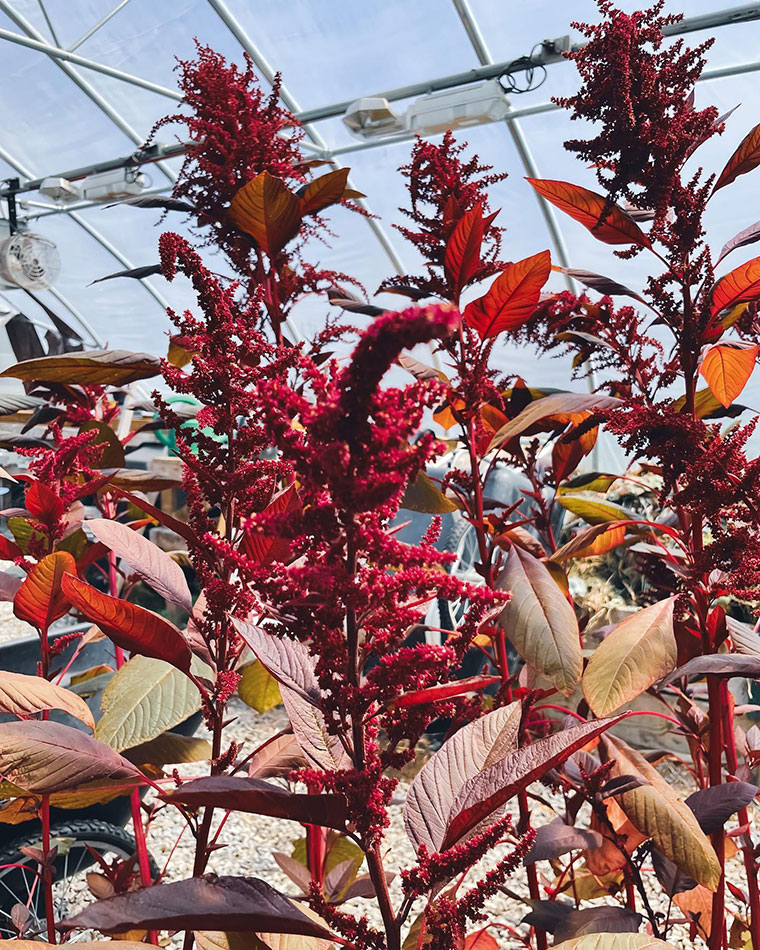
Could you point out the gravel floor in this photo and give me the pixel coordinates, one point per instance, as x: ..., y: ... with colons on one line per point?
x: 250, y: 840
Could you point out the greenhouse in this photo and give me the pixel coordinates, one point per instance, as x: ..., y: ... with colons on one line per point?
x: 380, y: 534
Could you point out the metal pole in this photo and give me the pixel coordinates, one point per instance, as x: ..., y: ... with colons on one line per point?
x: 261, y: 63
x: 56, y: 52
x: 101, y: 22
x: 86, y: 88
x: 93, y: 232
x: 491, y: 70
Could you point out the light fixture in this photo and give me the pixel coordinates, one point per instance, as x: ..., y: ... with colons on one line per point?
x: 60, y: 190
x: 473, y: 104
x: 113, y: 185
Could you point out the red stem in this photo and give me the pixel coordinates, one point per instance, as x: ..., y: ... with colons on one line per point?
x: 748, y: 847
x: 47, y: 875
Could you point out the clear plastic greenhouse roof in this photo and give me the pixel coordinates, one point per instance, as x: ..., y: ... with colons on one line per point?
x: 59, y: 114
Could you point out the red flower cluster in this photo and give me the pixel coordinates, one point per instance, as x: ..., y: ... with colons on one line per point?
x: 442, y: 187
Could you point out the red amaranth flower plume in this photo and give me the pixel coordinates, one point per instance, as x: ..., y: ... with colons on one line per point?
x: 442, y: 187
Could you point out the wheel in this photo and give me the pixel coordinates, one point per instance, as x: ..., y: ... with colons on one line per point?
x: 70, y: 889
x: 460, y: 539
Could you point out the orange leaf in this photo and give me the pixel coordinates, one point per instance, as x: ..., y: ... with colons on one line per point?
x: 742, y: 283
x: 40, y: 600
x: 324, y: 191
x: 268, y: 211
x: 587, y: 208
x: 131, y: 627
x: 593, y: 541
x: 480, y: 940
x: 512, y: 297
x: 726, y: 368
x: 463, y: 249
x: 744, y: 159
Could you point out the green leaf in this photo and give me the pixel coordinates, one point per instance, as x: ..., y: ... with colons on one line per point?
x: 424, y: 495
x: 143, y: 699
x: 593, y: 507
x: 637, y: 653
x: 258, y: 688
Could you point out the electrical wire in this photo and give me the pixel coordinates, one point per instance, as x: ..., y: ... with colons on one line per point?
x: 532, y: 75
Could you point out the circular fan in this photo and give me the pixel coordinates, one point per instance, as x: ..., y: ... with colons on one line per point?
x: 29, y: 260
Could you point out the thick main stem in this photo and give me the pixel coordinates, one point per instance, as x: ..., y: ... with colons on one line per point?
x: 718, y: 925
x: 748, y: 847
x: 372, y: 853
x: 47, y: 874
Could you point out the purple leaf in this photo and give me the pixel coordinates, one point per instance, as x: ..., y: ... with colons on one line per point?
x: 289, y: 661
x: 713, y: 806
x: 146, y: 559
x: 209, y: 902
x: 322, y: 748
x: 253, y: 795
x: 47, y: 757
x: 747, y: 236
x: 600, y: 283
x: 298, y: 873
x: 482, y: 795
x: 432, y: 793
x: 276, y: 757
x: 558, y: 838
x: 717, y: 664
x: 597, y: 920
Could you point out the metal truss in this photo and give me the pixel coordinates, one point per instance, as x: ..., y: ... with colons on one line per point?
x: 71, y: 62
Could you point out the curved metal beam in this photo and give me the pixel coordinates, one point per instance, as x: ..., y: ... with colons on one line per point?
x: 57, y: 53
x: 221, y: 9
x: 86, y: 88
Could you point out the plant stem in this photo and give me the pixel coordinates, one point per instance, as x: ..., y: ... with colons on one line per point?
x: 718, y: 925
x: 748, y: 847
x: 47, y: 876
x: 535, y: 893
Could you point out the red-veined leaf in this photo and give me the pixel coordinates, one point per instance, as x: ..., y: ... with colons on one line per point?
x: 267, y: 210
x: 253, y: 795
x: 587, y: 207
x: 745, y: 158
x: 209, y: 902
x: 511, y: 298
x: 131, y: 627
x: 40, y: 599
x: 435, y: 694
x: 174, y: 524
x: 87, y: 368
x: 326, y: 190
x: 463, y: 249
x: 24, y: 696
x: 44, y: 757
x: 487, y: 791
x: 148, y: 561
x: 265, y: 548
x: 726, y: 368
x: 556, y: 404
x: 540, y: 621
x: 740, y: 284
x: 474, y: 747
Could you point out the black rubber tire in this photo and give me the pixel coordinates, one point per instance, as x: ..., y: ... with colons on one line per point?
x: 455, y: 530
x: 83, y: 831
